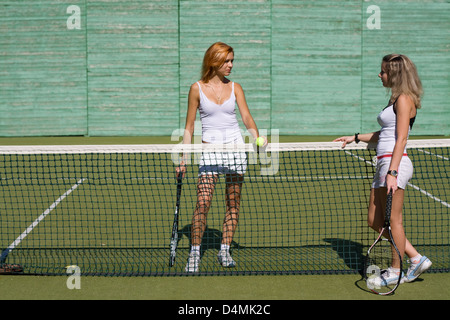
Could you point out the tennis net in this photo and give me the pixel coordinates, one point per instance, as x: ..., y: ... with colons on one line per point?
x: 109, y: 209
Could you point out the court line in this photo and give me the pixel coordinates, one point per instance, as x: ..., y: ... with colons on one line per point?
x: 433, y: 154
x: 37, y: 221
x: 409, y: 183
x: 429, y: 195
x: 303, y: 178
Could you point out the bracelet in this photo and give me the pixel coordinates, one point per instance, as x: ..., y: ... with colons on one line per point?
x: 356, y: 137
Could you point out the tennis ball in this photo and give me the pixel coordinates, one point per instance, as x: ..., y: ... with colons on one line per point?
x: 260, y: 141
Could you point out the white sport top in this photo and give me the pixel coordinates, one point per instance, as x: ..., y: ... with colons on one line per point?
x: 388, y: 134
x: 219, y: 122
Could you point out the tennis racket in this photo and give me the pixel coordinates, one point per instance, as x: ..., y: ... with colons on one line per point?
x: 174, y: 238
x: 379, y: 258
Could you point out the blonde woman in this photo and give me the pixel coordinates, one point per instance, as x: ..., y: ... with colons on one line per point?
x: 215, y: 97
x: 394, y: 168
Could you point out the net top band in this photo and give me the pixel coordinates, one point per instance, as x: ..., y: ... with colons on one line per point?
x: 178, y: 148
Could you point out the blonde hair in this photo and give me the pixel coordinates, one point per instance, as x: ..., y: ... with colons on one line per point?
x: 214, y: 58
x: 403, y: 78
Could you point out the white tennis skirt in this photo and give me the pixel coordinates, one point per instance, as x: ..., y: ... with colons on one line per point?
x: 223, y: 162
x: 405, y: 172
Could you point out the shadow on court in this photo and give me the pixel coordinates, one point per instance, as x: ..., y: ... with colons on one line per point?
x: 350, y: 252
x: 212, y: 238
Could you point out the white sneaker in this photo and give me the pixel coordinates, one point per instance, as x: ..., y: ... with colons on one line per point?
x: 225, y: 259
x: 193, y: 262
x: 415, y: 270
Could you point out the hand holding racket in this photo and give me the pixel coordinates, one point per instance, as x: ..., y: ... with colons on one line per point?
x: 181, y: 170
x: 380, y: 277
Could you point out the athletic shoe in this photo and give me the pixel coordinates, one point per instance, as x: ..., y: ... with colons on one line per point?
x: 415, y: 270
x: 225, y: 259
x: 193, y: 262
x: 385, y: 278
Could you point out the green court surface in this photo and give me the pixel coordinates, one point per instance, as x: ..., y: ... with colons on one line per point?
x: 300, y: 287
x: 431, y: 286
x: 74, y: 140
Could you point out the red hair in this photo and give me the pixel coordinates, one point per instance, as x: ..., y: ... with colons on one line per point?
x: 214, y: 58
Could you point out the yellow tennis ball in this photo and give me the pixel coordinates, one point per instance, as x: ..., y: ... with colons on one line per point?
x: 260, y: 141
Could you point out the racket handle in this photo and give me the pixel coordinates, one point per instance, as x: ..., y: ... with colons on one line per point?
x: 388, y: 206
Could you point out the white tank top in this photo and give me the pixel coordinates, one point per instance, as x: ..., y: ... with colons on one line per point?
x: 219, y: 122
x: 388, y: 134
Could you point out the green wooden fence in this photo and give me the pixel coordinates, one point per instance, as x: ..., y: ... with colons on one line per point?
x: 123, y: 68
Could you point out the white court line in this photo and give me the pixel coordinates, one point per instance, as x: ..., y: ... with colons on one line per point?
x: 425, y: 192
x: 409, y: 183
x: 358, y: 157
x: 39, y: 219
x: 429, y: 195
x: 303, y: 178
x: 433, y: 154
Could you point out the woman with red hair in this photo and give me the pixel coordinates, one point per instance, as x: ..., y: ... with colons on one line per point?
x: 215, y: 97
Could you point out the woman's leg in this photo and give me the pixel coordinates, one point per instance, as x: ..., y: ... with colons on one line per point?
x: 398, y: 232
x: 205, y: 190
x: 233, y: 199
x: 375, y: 219
x: 375, y: 216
